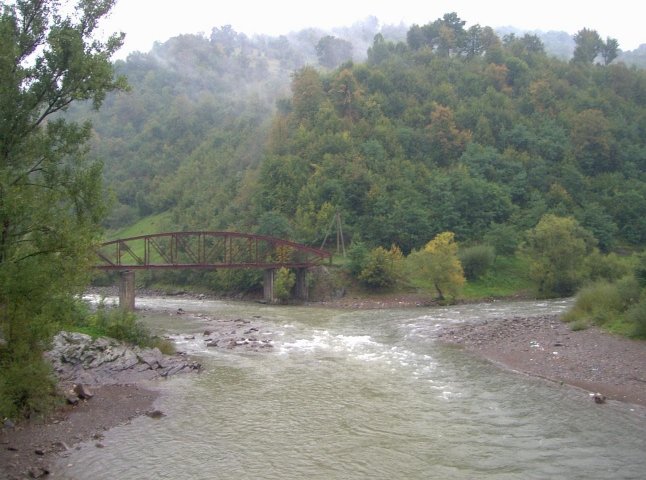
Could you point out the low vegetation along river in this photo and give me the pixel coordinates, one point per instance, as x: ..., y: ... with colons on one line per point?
x: 367, y: 394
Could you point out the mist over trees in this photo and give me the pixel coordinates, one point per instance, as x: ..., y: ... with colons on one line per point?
x: 431, y: 128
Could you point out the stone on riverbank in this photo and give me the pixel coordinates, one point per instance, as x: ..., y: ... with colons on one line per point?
x: 239, y: 334
x: 79, y: 359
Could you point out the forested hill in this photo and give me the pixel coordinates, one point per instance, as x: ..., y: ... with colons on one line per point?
x: 451, y: 129
x: 198, y: 110
x: 432, y: 136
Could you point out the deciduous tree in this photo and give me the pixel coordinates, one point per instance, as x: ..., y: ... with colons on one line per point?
x: 50, y: 195
x: 557, y: 248
x: 439, y: 264
x: 588, y: 46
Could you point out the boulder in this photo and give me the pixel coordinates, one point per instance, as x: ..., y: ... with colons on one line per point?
x: 83, y: 391
x: 152, y: 357
x: 598, y: 397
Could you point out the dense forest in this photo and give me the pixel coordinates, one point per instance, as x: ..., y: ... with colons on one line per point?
x: 439, y: 150
x: 447, y: 129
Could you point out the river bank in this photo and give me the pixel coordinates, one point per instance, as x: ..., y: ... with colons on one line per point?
x: 29, y: 449
x: 104, y: 383
x: 545, y: 347
x: 592, y: 360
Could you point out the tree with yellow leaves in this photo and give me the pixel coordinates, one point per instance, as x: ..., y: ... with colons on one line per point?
x: 438, y: 263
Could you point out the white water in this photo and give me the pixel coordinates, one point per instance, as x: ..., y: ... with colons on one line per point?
x: 365, y: 395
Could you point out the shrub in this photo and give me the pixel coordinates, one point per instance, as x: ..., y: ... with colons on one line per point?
x: 604, y: 303
x: 381, y: 268
x: 357, y: 255
x: 121, y: 325
x: 640, y: 270
x: 27, y: 385
x: 595, y: 303
x: 283, y: 284
x: 578, y: 325
x: 503, y: 237
x: 476, y: 260
x: 438, y: 265
x: 637, y: 316
x: 609, y: 267
x: 629, y: 291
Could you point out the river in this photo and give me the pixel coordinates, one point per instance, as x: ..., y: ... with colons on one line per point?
x: 366, y: 394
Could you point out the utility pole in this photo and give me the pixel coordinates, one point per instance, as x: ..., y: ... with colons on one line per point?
x: 340, y: 241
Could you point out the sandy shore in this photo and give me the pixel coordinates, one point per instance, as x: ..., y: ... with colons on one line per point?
x: 545, y: 347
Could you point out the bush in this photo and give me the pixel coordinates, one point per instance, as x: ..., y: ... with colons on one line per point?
x: 640, y: 270
x: 613, y: 305
x: 596, y: 303
x: 609, y: 267
x: 27, y: 385
x: 438, y: 265
x: 381, y: 268
x: 357, y: 255
x: 121, y: 325
x: 503, y: 237
x: 476, y: 260
x: 283, y: 284
x: 637, y: 316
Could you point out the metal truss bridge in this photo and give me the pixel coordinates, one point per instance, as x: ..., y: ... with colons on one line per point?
x: 207, y: 250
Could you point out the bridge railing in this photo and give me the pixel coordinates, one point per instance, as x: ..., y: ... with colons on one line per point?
x: 208, y: 250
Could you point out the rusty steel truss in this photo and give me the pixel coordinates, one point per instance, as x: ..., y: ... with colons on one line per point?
x: 206, y: 250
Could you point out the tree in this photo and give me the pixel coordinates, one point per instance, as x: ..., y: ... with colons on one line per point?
x: 333, y: 51
x: 592, y: 140
x: 307, y: 93
x: 274, y: 224
x: 588, y: 46
x: 474, y: 42
x: 50, y: 194
x: 447, y: 139
x: 557, y: 248
x: 609, y: 50
x: 438, y: 263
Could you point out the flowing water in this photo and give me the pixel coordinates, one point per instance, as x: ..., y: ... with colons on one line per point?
x: 361, y: 395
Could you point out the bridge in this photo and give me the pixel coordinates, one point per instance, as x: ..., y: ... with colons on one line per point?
x: 210, y: 251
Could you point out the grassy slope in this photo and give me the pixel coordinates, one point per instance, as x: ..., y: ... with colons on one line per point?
x: 147, y: 225
x: 508, y: 277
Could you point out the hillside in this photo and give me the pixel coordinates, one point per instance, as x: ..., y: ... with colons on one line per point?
x: 481, y: 136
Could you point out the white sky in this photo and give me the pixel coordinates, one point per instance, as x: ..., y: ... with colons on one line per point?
x: 147, y: 21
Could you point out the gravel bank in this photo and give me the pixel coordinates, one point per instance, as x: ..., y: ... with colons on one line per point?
x: 546, y: 347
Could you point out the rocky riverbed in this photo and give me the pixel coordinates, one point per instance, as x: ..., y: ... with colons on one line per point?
x: 108, y: 383
x: 228, y: 334
x: 102, y: 381
x: 544, y: 346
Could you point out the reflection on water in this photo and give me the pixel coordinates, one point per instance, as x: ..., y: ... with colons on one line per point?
x: 363, y: 394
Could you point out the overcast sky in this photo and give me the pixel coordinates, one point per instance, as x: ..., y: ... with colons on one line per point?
x: 147, y: 21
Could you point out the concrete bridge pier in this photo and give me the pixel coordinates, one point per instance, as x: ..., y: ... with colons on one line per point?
x: 302, y: 292
x: 127, y: 290
x: 268, y: 285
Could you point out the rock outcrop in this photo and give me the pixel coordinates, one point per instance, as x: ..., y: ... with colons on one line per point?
x: 79, y: 359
